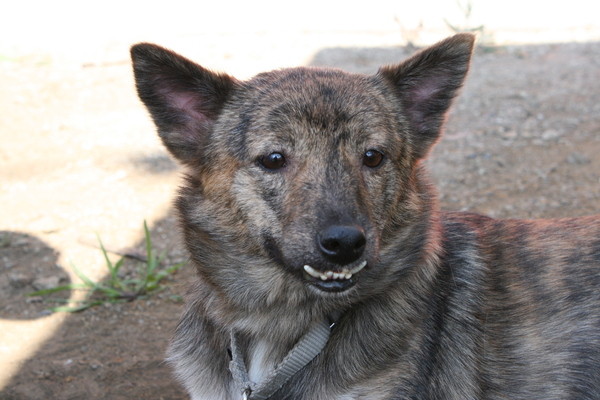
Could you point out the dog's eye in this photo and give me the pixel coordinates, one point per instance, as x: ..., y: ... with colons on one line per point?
x: 273, y: 161
x: 372, y: 158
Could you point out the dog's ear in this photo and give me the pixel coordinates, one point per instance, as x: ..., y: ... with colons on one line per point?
x: 427, y: 82
x: 183, y: 98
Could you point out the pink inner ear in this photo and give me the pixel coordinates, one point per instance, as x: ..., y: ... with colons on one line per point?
x: 189, y: 103
x: 421, y: 100
x: 425, y: 91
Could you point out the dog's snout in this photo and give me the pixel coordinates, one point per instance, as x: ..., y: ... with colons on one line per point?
x: 342, y: 244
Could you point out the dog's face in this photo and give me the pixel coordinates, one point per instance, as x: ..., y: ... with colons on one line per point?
x: 303, y: 184
x: 319, y: 164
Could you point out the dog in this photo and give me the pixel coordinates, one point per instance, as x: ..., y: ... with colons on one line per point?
x: 308, y: 213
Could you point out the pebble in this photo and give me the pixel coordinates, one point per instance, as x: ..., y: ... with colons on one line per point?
x: 7, y: 263
x: 578, y: 159
x: 19, y: 281
x: 46, y: 283
x: 34, y: 299
x: 94, y: 365
x: 551, y: 134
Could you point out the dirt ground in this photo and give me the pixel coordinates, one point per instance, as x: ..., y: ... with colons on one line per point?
x: 523, y: 140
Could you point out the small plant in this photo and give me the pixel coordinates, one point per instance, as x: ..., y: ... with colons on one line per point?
x: 484, y: 38
x: 466, y: 9
x: 410, y: 35
x: 115, y: 289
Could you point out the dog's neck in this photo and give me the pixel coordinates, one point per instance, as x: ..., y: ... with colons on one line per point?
x: 266, y: 377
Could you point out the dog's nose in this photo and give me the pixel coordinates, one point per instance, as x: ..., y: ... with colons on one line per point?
x: 342, y: 244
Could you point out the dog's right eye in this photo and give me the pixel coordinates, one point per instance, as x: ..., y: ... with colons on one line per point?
x: 273, y: 161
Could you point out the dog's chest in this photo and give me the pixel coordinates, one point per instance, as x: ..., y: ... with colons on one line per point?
x: 261, y: 361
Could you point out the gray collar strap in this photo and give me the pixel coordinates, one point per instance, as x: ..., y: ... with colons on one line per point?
x: 303, y: 352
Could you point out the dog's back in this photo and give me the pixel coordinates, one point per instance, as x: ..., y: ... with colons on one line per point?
x: 533, y: 291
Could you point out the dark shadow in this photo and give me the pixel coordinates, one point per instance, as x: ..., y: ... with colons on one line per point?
x: 27, y: 264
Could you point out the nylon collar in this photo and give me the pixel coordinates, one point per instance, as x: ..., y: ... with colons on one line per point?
x: 307, y: 348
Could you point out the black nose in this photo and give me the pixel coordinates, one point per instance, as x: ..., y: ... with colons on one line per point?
x: 342, y: 244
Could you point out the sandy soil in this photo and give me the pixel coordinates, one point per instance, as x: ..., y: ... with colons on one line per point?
x: 522, y: 141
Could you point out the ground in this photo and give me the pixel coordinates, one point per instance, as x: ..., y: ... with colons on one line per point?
x: 522, y: 141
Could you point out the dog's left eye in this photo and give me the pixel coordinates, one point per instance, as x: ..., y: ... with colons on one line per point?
x: 272, y: 161
x: 372, y: 158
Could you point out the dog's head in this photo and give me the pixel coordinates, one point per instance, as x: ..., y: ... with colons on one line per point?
x: 303, y: 183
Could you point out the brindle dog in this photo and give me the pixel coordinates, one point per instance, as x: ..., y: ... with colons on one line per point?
x: 306, y: 198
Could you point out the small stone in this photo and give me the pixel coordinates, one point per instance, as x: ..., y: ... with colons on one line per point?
x: 7, y: 263
x: 49, y: 282
x: 19, y: 281
x: 578, y: 159
x: 94, y: 365
x: 551, y: 134
x: 23, y: 241
x: 34, y: 299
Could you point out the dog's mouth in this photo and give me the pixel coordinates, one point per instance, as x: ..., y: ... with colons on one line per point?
x: 333, y: 281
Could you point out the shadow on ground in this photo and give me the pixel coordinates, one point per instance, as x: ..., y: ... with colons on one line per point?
x: 28, y: 264
x: 108, y: 352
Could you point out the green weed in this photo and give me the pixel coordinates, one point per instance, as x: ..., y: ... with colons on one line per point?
x: 116, y: 289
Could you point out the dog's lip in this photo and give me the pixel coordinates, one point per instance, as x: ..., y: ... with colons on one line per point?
x: 344, y: 274
x: 333, y: 285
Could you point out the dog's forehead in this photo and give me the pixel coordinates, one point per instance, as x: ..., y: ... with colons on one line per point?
x: 307, y: 84
x: 314, y: 100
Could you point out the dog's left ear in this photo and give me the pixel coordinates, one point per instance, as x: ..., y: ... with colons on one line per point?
x: 427, y: 82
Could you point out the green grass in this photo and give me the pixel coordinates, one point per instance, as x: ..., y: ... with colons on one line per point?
x: 116, y: 289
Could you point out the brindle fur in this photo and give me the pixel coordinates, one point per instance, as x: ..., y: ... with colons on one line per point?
x: 450, y: 305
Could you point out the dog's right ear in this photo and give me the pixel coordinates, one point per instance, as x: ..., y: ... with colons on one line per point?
x: 183, y: 98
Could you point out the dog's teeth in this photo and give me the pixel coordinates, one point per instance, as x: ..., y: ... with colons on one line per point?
x: 311, y: 271
x: 329, y: 275
x: 357, y: 268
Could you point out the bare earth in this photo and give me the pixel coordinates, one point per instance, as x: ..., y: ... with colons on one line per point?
x: 522, y: 141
